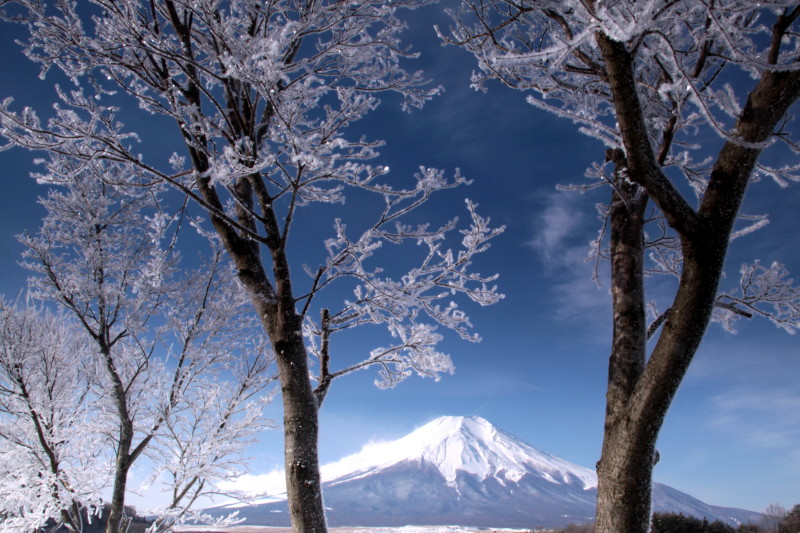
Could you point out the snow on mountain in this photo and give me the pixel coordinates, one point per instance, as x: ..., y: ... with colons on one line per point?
x: 464, y: 471
x: 455, y: 444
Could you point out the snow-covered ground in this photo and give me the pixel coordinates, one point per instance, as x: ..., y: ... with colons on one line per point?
x: 404, y: 529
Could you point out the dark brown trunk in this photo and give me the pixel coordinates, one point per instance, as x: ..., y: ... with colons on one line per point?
x: 624, y: 486
x: 275, y: 306
x: 640, y: 394
x: 300, y: 418
x: 283, y: 325
x: 624, y: 469
x: 301, y: 430
x: 116, y: 520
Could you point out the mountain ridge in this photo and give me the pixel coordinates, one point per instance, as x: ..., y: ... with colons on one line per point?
x: 454, y: 443
x: 462, y: 470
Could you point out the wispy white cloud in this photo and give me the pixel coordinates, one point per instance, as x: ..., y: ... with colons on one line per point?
x: 558, y: 235
x: 773, y: 401
x: 766, y: 419
x: 561, y: 234
x: 555, y: 228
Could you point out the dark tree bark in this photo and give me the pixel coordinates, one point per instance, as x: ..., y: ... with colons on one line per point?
x: 275, y: 306
x: 300, y: 408
x: 233, y: 105
x: 626, y: 363
x: 640, y: 390
x: 660, y: 64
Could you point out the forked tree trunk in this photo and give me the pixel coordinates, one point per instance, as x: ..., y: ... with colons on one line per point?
x: 641, y: 390
x: 624, y: 470
x: 634, y: 418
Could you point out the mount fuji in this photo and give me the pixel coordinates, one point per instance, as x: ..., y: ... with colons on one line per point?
x: 464, y: 471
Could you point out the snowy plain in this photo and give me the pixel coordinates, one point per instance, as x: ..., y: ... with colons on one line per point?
x: 404, y: 529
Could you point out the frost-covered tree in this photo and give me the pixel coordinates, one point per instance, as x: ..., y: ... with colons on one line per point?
x: 216, y: 410
x: 168, y: 343
x: 50, y: 456
x: 260, y: 95
x: 663, y: 84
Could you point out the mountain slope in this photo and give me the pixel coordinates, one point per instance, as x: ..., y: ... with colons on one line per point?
x: 465, y: 471
x: 471, y: 445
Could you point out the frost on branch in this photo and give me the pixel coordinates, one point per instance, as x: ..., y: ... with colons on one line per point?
x: 412, y: 305
x: 212, y: 404
x: 262, y: 96
x: 763, y: 291
x: 680, y: 49
x: 252, y: 89
x: 51, y: 444
x: 179, y: 364
x: 663, y: 85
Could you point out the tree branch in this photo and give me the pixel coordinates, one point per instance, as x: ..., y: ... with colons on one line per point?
x: 642, y: 164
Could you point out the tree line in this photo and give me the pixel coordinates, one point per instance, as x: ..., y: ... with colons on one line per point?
x: 775, y: 519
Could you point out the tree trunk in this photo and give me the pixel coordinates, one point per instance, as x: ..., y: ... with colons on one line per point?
x: 624, y: 469
x: 115, y: 522
x: 640, y: 394
x: 640, y: 391
x: 301, y: 429
x: 300, y: 408
x: 624, y: 484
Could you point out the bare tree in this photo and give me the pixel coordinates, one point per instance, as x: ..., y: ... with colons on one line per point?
x: 260, y: 95
x: 648, y: 79
x: 791, y: 522
x: 772, y: 517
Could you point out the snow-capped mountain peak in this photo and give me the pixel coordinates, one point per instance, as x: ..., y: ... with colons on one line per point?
x: 471, y: 445
x: 461, y: 470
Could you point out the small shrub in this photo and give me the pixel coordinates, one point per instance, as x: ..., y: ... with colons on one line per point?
x: 680, y: 523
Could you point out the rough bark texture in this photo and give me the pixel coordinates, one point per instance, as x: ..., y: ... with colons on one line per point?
x: 300, y: 420
x: 274, y: 302
x: 276, y: 308
x: 641, y: 389
x: 300, y: 436
x: 619, y: 456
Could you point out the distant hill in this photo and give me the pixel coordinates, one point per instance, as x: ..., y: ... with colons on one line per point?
x: 465, y: 471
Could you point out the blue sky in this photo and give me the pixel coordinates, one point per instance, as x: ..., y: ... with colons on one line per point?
x: 732, y: 436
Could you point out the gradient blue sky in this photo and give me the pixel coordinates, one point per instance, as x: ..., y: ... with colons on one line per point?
x: 732, y: 436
